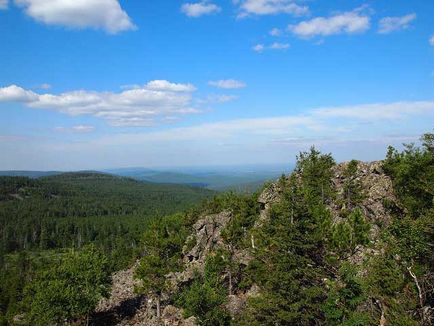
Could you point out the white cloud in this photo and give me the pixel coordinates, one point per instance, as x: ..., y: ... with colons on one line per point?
x: 199, y: 9
x: 322, y: 121
x: 258, y: 48
x: 377, y: 111
x: 144, y: 106
x: 164, y: 85
x: 279, y: 46
x: 14, y: 93
x: 271, y: 7
x: 274, y: 46
x: 76, y: 129
x: 360, y: 132
x: 98, y: 14
x: 431, y: 40
x: 3, y: 4
x: 44, y: 86
x: 343, y: 23
x: 392, y: 24
x: 227, y: 83
x: 214, y: 98
x: 275, y: 32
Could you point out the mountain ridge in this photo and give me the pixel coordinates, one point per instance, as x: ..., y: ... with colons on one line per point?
x: 207, y: 237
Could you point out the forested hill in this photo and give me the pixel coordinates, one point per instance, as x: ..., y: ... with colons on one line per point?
x: 41, y: 218
x: 30, y: 208
x: 81, y: 194
x: 347, y: 244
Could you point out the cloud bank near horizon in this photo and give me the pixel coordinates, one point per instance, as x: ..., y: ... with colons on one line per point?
x: 360, y: 131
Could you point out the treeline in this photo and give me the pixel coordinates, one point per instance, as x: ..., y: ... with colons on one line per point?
x: 75, y: 208
x: 41, y: 218
x: 309, y: 268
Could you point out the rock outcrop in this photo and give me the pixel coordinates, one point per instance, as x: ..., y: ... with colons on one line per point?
x: 123, y: 284
x: 206, y: 238
x: 376, y: 186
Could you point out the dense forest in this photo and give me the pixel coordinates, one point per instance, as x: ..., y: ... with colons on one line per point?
x: 312, y: 255
x: 42, y: 219
x: 306, y: 265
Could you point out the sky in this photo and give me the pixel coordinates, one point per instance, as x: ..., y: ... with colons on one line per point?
x: 94, y: 84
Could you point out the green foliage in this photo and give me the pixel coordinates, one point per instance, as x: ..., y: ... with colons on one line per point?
x: 163, y: 241
x: 289, y: 261
x: 69, y: 288
x: 315, y: 171
x: 348, y: 234
x: 345, y: 294
x: 303, y: 261
x: 411, y: 239
x: 245, y: 211
x: 353, y: 193
x: 74, y: 209
x: 412, y: 172
x: 205, y: 297
x: 387, y: 284
x: 204, y: 301
x: 67, y: 210
x: 15, y: 273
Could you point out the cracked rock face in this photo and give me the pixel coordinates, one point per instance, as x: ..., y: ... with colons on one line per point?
x: 206, y: 238
x: 170, y: 316
x: 377, y: 188
x: 123, y: 283
x: 266, y: 199
x: 207, y: 232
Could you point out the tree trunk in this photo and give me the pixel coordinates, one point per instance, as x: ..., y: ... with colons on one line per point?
x: 158, y: 309
x: 230, y: 283
x: 419, y: 292
x: 382, y: 318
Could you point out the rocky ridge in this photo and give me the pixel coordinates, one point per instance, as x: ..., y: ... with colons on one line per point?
x: 206, y: 238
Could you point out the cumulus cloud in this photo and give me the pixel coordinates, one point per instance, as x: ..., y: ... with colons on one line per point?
x: 3, y: 4
x: 76, y: 129
x: 431, y: 40
x: 199, y: 9
x: 271, y: 7
x: 97, y: 14
x: 258, y: 47
x: 274, y: 46
x: 139, y: 106
x: 344, y: 23
x: 164, y: 85
x: 275, y: 32
x: 391, y: 24
x: 14, y: 93
x: 227, y: 83
x: 279, y: 46
x: 221, y: 98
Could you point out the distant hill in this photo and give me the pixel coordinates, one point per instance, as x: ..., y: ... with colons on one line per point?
x: 220, y: 179
x: 237, y: 178
x: 29, y: 174
x: 30, y: 206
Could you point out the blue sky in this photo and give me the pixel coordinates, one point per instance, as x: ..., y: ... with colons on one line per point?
x: 104, y: 83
